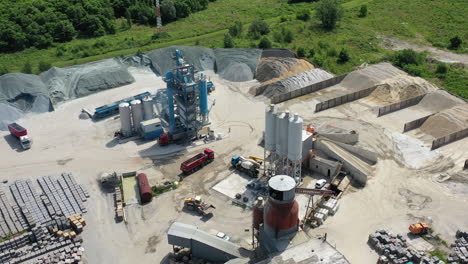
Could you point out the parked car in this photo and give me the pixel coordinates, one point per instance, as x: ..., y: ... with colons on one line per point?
x: 223, y: 236
x: 320, y: 183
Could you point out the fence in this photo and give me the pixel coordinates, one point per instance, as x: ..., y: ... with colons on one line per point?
x: 344, y: 99
x: 416, y: 123
x: 387, y: 109
x: 306, y: 90
x: 439, y: 142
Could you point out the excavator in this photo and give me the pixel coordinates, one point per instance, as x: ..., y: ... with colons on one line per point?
x: 196, y: 204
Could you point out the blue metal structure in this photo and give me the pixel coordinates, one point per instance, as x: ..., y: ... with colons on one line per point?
x: 113, y: 108
x: 183, y: 105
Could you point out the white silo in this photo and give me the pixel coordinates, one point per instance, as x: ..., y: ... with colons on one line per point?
x: 270, y: 129
x: 295, y: 138
x: 284, y: 129
x: 137, y: 113
x: 125, y: 119
x: 148, y: 108
x: 278, y: 117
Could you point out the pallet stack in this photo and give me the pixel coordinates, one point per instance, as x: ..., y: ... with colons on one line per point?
x: 118, y: 204
x: 77, y: 222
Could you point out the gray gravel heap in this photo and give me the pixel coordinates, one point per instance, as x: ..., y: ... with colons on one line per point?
x: 237, y: 65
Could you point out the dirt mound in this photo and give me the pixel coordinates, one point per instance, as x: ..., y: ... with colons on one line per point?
x: 439, y: 100
x: 237, y: 65
x: 447, y: 122
x: 402, y: 87
x: 272, y: 69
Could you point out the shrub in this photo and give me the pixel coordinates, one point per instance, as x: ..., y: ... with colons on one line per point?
x: 363, y: 11
x: 331, y: 52
x: 160, y: 35
x: 322, y: 44
x: 301, y: 52
x: 413, y: 69
x: 278, y: 36
x: 407, y: 56
x: 455, y: 42
x: 329, y: 12
x: 264, y: 43
x: 27, y: 68
x: 343, y: 56
x: 442, y: 68
x: 288, y: 35
x: 44, y: 66
x: 311, y: 52
x: 303, y: 15
x: 318, y: 60
x: 228, y: 41
x: 3, y: 70
x: 236, y: 29
x: 283, y: 19
x: 258, y: 28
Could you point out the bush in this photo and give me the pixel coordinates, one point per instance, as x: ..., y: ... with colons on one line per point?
x: 168, y: 11
x: 278, y: 36
x: 413, y: 69
x: 303, y: 15
x: 442, y: 68
x: 3, y: 70
x: 236, y: 29
x: 228, y: 41
x: 331, y: 52
x: 283, y: 19
x: 27, y: 68
x: 264, y: 43
x: 329, y: 12
x: 301, y: 52
x: 343, y: 57
x: 311, y: 52
x: 363, y: 11
x: 455, y: 42
x: 44, y: 66
x: 407, y: 56
x: 318, y: 60
x: 160, y: 35
x: 288, y: 35
x: 258, y: 28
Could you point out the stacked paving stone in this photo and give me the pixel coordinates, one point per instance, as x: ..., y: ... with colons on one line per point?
x: 394, y: 247
x: 460, y: 249
x: 11, y: 218
x: 29, y: 201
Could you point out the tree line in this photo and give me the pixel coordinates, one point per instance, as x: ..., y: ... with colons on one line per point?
x: 40, y: 23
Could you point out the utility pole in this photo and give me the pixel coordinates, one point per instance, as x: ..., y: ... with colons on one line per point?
x: 158, y: 16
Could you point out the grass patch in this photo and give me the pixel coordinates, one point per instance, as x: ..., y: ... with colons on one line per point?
x: 167, y: 186
x: 440, y: 254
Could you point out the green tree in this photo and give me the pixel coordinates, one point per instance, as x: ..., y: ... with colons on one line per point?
x: 44, y: 66
x: 288, y: 35
x: 406, y: 57
x: 329, y: 12
x: 92, y: 26
x: 63, y: 31
x: 455, y: 42
x: 258, y: 28
x: 228, y: 41
x: 301, y: 52
x: 264, y: 43
x: 168, y: 11
x: 363, y: 11
x: 27, y: 68
x: 303, y: 15
x: 182, y: 9
x: 442, y: 68
x: 343, y: 57
x: 235, y: 29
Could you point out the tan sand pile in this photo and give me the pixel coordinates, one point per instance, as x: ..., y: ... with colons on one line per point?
x: 271, y: 69
x: 402, y: 87
x: 447, y: 122
x: 439, y: 100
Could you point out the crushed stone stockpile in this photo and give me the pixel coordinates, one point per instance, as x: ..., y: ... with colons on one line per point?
x: 271, y: 69
x: 402, y: 87
x: 237, y: 65
x: 278, y: 53
x: 78, y: 81
x: 447, y: 121
x: 294, y: 82
x: 202, y: 58
x: 439, y: 100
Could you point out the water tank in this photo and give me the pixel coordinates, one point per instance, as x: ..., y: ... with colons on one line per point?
x: 270, y: 129
x: 148, y: 108
x: 258, y: 212
x: 125, y: 119
x: 283, y: 130
x: 295, y: 138
x: 144, y: 187
x: 137, y: 113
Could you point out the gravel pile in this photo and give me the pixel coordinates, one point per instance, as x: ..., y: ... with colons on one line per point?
x: 446, y: 122
x: 202, y: 58
x: 237, y: 65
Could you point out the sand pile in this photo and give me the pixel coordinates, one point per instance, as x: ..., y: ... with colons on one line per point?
x: 271, y: 69
x: 439, y: 100
x: 237, y: 65
x: 402, y: 87
x: 447, y: 121
x: 202, y: 58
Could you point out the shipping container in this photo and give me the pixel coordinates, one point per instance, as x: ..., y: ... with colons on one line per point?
x: 145, y: 188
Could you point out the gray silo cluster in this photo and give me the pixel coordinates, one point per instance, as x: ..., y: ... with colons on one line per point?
x: 283, y: 143
x: 132, y: 114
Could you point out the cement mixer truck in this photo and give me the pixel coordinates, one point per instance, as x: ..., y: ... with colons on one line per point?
x: 248, y: 166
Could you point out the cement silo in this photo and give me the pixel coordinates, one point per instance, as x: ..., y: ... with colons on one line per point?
x: 295, y: 138
x: 270, y: 129
x: 137, y: 113
x: 125, y: 119
x: 148, y: 108
x: 284, y: 129
x: 278, y: 117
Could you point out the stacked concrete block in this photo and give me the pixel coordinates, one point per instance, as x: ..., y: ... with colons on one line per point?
x: 29, y: 201
x: 459, y: 249
x: 11, y: 220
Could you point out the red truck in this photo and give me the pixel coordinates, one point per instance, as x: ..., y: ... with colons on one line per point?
x: 197, y: 162
x: 21, y: 133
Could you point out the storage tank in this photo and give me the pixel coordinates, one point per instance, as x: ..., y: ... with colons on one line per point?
x: 144, y: 187
x: 203, y: 97
x: 270, y: 129
x: 284, y: 128
x: 278, y: 117
x: 148, y: 108
x: 295, y: 138
x: 281, y: 213
x: 258, y: 212
x: 125, y: 119
x: 137, y: 113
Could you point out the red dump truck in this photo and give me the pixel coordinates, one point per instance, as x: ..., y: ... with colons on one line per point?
x: 197, y: 162
x: 21, y: 133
